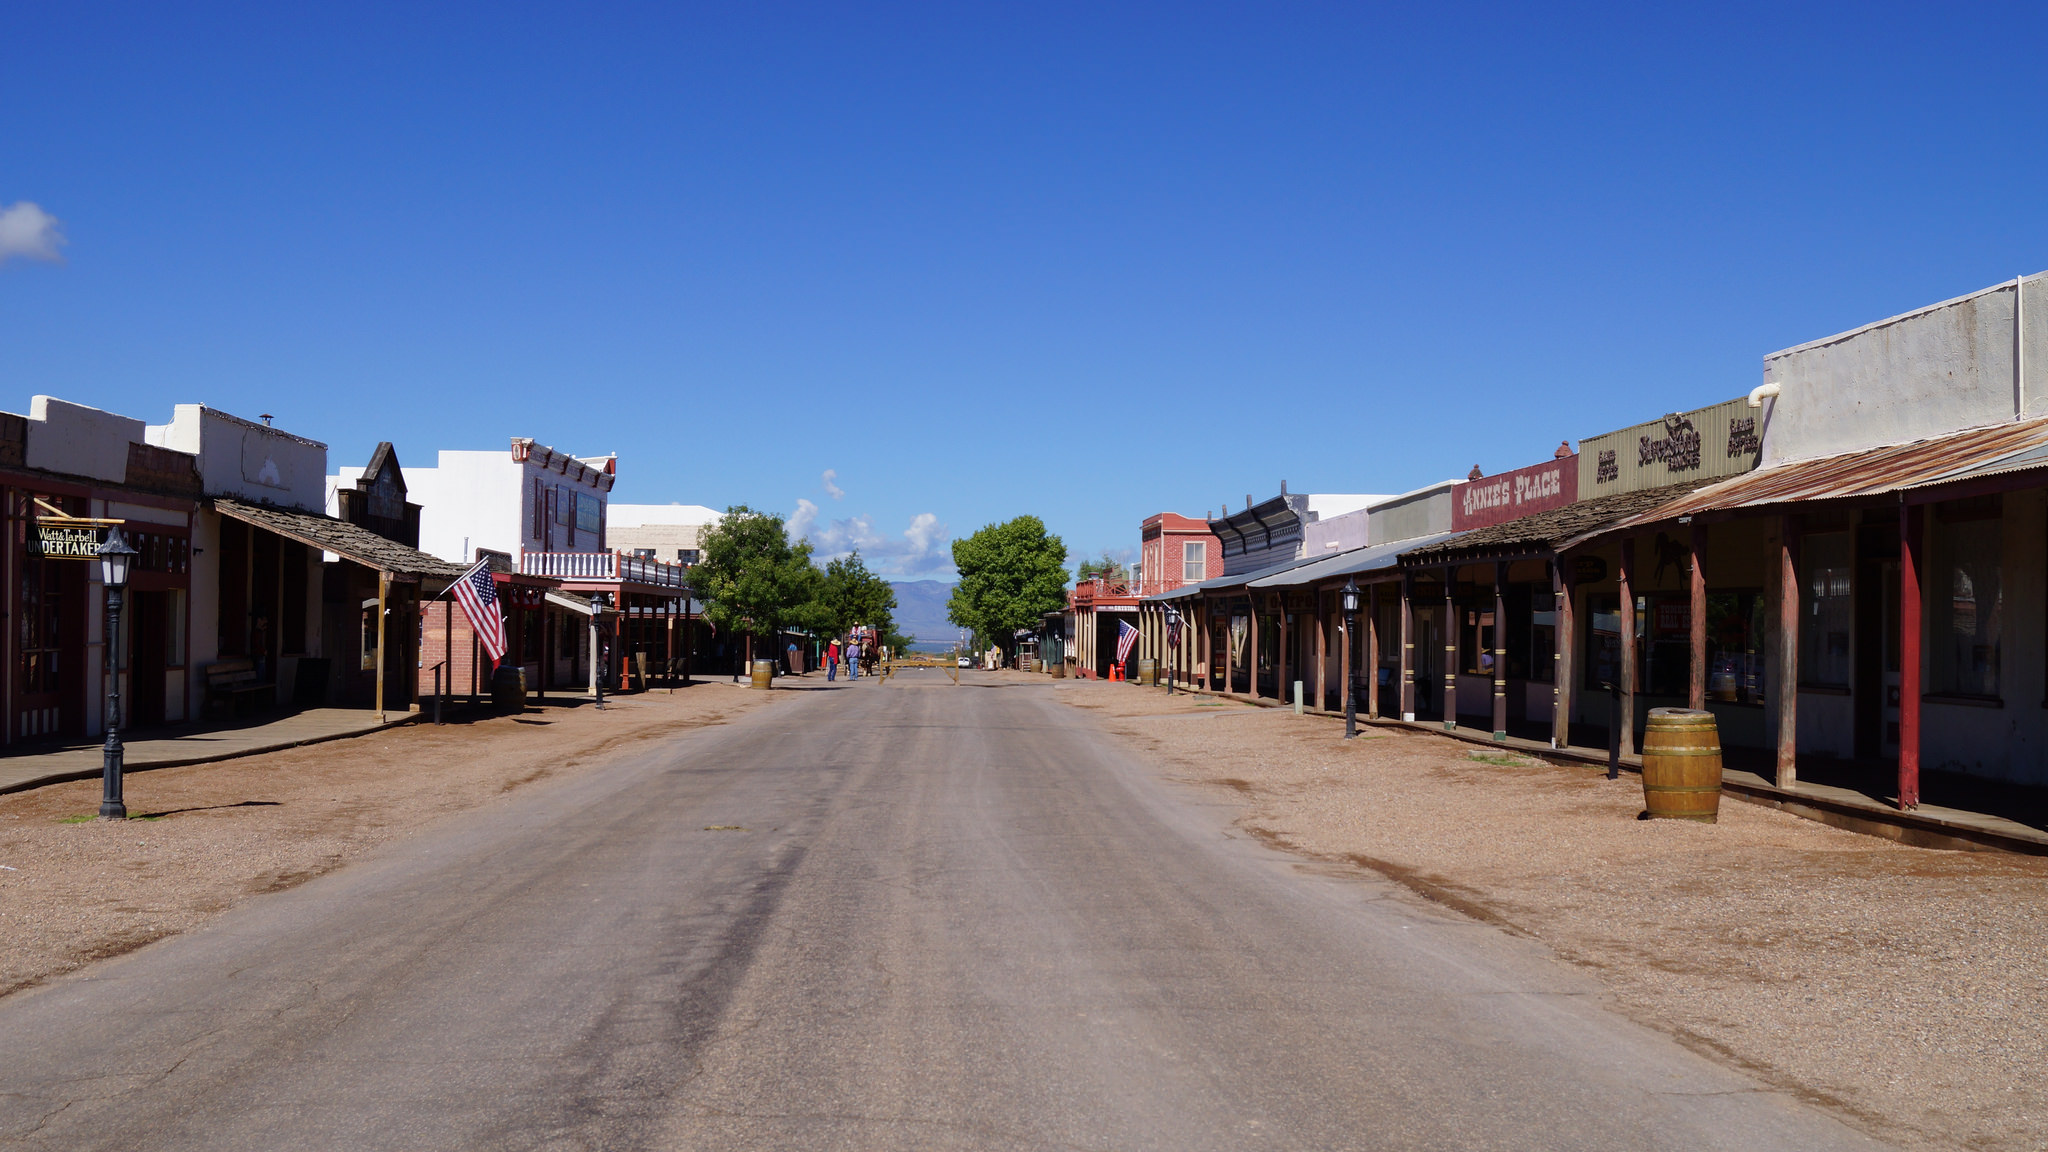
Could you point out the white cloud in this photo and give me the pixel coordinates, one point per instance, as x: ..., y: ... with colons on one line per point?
x: 921, y: 549
x: 29, y: 232
x: 832, y: 488
x: 799, y: 523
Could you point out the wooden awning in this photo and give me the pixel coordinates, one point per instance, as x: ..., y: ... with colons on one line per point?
x: 351, y: 542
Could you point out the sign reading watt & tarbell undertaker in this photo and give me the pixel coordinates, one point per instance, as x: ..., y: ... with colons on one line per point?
x: 1511, y: 495
x: 68, y: 538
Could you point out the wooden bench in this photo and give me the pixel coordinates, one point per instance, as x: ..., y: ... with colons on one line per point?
x: 229, y: 682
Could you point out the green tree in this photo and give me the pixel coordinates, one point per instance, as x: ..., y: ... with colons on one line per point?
x: 1108, y: 567
x: 848, y: 594
x: 1010, y: 575
x: 752, y: 578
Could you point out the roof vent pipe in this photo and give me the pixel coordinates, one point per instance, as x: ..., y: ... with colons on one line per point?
x: 1757, y: 394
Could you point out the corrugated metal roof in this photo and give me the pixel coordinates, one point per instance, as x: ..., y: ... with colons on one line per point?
x: 1870, y: 472
x: 2022, y: 461
x: 1548, y: 531
x: 1237, y: 581
x: 1366, y: 559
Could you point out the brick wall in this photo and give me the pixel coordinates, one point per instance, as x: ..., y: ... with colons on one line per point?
x: 442, y: 623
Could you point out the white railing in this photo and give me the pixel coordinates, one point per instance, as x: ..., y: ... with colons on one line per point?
x: 604, y: 566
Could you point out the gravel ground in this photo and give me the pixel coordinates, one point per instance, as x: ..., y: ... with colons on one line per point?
x: 1904, y: 986
x: 73, y: 890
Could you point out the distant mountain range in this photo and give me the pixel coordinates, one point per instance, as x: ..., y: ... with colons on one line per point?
x: 921, y: 611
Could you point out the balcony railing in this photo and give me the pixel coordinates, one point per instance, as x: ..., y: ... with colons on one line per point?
x: 604, y: 566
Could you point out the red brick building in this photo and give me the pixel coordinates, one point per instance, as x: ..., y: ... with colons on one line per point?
x: 1176, y: 550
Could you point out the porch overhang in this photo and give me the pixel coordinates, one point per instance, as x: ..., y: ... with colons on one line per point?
x: 351, y: 542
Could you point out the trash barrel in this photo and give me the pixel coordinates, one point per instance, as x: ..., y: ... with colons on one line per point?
x: 1682, y: 765
x: 508, y: 688
x: 1148, y: 671
x: 764, y: 673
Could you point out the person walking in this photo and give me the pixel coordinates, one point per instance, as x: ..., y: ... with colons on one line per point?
x: 853, y: 661
x: 832, y: 660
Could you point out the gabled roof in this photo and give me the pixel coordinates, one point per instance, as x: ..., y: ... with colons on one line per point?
x: 346, y: 540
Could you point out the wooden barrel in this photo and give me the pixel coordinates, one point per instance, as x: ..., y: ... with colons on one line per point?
x: 1148, y: 672
x: 764, y: 674
x: 1682, y: 765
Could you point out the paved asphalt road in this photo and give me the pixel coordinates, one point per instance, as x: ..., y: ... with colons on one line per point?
x: 955, y: 918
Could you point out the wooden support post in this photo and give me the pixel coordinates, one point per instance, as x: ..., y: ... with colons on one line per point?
x: 1322, y: 653
x: 1696, y: 678
x: 1787, y: 681
x: 1408, y: 647
x: 1500, y: 651
x: 1625, y: 578
x: 1910, y: 519
x: 448, y: 650
x: 1280, y: 688
x: 1229, y: 654
x: 1251, y: 655
x: 1450, y: 648
x: 1563, y: 656
x: 1344, y: 673
x: 383, y: 599
x: 1371, y: 656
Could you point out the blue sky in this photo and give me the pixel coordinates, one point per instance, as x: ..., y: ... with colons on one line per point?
x: 1086, y: 262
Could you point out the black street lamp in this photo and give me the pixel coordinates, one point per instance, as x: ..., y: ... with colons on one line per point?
x: 1350, y: 597
x: 116, y: 557
x: 600, y: 652
x: 1172, y: 645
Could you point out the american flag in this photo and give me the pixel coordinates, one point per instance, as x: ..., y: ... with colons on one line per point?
x: 1173, y: 630
x: 1125, y: 637
x: 477, y: 592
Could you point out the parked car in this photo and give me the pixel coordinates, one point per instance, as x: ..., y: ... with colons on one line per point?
x: 967, y: 662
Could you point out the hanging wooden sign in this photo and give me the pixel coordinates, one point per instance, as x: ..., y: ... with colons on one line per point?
x: 62, y: 537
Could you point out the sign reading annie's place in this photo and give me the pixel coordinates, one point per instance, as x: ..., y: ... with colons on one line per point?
x: 1499, y: 499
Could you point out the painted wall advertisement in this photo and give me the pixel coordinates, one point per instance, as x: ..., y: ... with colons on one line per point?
x: 1511, y: 495
x: 1706, y: 443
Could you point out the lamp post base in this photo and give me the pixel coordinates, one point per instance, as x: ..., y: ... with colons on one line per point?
x: 111, y: 805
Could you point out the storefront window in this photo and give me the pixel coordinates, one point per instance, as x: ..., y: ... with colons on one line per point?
x: 1825, y: 618
x: 1478, y: 643
x: 1603, y: 641
x: 1543, y: 647
x: 1735, y: 647
x: 174, y: 628
x: 1966, y: 599
x: 42, y: 605
x: 1664, y: 627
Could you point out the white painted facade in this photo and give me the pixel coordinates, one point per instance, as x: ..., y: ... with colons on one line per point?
x: 529, y: 498
x: 245, y: 459
x: 1969, y: 362
x: 667, y: 531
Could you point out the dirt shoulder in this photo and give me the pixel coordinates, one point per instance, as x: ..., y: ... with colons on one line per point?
x: 1904, y: 986
x: 73, y: 890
